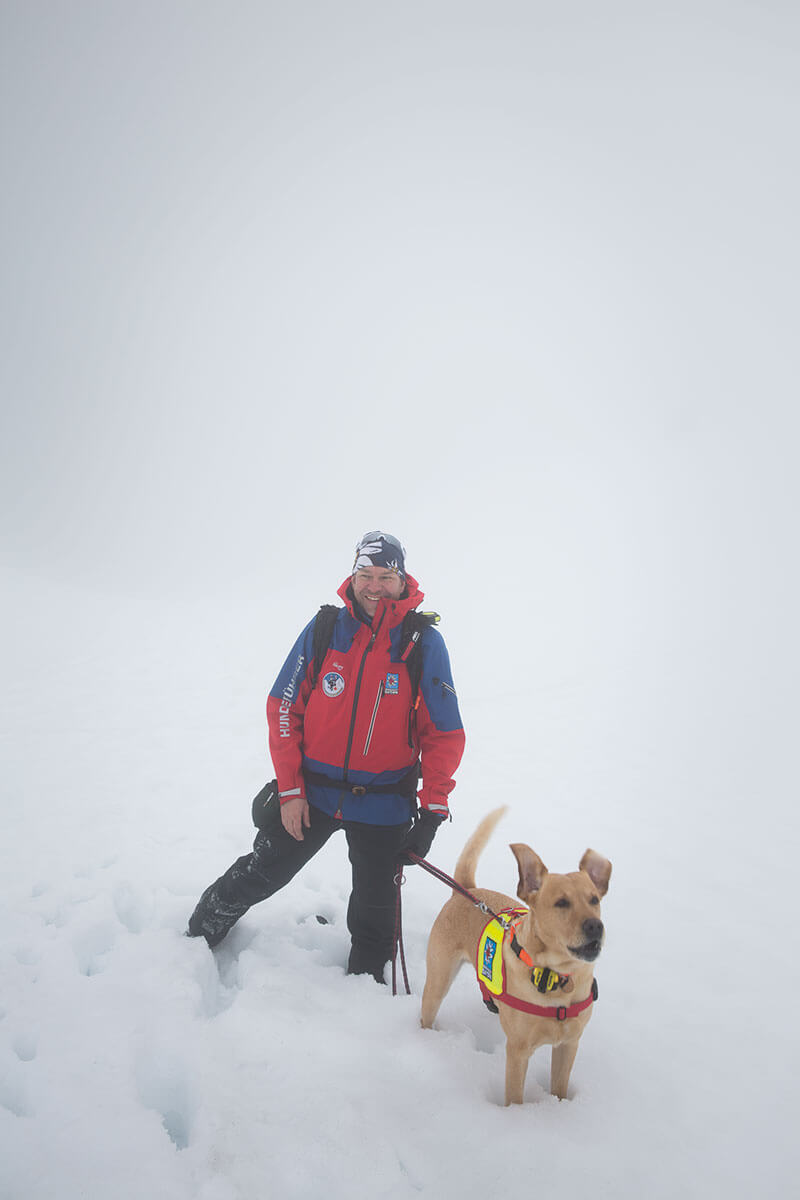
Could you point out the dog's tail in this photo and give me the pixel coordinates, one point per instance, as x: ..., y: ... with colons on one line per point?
x: 468, y: 858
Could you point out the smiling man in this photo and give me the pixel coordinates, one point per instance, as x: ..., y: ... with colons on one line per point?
x: 371, y: 584
x: 348, y: 742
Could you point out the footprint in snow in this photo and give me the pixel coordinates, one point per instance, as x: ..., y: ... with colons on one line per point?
x: 15, y: 1080
x: 25, y: 1046
x: 163, y: 1086
x: 14, y: 1095
x: 27, y: 956
x: 91, y: 945
x: 133, y: 910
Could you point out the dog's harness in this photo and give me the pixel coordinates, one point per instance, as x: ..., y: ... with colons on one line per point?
x: 491, y: 970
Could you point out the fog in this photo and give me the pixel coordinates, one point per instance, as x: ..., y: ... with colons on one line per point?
x: 518, y: 285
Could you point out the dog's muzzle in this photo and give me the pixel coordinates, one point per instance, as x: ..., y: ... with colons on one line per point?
x: 593, y: 931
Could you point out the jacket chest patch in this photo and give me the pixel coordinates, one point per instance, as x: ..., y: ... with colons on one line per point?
x: 333, y: 684
x: 392, y: 685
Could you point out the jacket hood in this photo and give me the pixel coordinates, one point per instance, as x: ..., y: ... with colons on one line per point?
x: 396, y: 609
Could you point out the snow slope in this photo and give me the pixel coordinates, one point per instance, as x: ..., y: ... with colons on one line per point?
x: 137, y: 1063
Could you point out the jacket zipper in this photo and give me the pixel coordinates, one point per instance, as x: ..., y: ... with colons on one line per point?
x: 445, y: 686
x: 370, y: 644
x: 374, y: 715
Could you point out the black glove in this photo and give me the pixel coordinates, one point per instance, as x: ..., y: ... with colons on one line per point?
x: 420, y: 836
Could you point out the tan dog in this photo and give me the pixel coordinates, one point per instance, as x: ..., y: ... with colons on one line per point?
x: 561, y: 930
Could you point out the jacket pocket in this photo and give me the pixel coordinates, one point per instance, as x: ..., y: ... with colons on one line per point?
x: 374, y: 718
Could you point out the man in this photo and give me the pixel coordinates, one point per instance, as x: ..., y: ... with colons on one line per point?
x: 347, y: 746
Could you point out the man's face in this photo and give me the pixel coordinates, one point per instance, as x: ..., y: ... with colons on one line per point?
x: 371, y: 584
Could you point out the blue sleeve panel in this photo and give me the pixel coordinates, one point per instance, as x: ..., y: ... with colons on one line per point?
x: 437, y: 683
x: 295, y: 669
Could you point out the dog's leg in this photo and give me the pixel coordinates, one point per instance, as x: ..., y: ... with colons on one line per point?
x: 441, y: 973
x: 517, y: 1057
x: 561, y: 1066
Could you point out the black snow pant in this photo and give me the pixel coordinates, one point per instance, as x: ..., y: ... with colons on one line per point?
x: 277, y: 857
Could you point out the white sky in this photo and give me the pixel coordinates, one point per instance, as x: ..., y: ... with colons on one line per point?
x: 518, y: 285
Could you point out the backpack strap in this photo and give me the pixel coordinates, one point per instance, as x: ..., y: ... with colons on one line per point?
x: 414, y: 625
x: 323, y: 632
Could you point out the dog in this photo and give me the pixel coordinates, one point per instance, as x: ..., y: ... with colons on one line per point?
x: 544, y: 988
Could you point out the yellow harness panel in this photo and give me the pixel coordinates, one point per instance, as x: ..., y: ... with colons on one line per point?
x: 489, y: 960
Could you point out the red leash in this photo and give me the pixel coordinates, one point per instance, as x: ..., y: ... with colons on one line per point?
x: 398, y: 939
x: 398, y: 915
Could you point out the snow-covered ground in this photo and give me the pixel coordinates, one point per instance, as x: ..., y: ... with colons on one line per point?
x: 517, y: 284
x: 135, y: 1062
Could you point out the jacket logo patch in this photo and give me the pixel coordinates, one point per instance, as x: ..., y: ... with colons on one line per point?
x: 333, y: 684
x: 392, y: 685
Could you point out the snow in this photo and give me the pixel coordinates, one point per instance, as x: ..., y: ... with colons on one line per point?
x: 520, y: 291
x: 136, y: 1062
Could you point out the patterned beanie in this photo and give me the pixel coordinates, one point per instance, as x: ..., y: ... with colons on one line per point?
x: 378, y: 549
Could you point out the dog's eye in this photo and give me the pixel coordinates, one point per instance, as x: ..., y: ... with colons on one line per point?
x: 594, y: 900
x: 562, y: 903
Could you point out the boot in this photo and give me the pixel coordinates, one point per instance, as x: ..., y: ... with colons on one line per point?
x: 369, y: 963
x: 214, y: 917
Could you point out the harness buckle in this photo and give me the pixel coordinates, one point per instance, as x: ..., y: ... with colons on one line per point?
x: 358, y: 790
x: 561, y: 1013
x: 545, y: 980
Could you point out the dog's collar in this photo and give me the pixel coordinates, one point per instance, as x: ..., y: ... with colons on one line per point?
x: 544, y: 979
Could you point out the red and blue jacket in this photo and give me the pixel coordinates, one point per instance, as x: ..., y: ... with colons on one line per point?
x: 361, y: 723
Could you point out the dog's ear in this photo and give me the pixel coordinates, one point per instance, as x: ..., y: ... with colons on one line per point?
x: 532, y: 871
x: 598, y: 869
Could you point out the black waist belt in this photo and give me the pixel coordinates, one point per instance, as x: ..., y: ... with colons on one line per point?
x: 407, y: 786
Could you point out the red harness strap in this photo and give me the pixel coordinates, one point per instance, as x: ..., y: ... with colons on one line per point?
x: 561, y: 1012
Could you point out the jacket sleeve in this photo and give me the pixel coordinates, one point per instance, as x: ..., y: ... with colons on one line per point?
x: 439, y: 728
x: 286, y: 706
